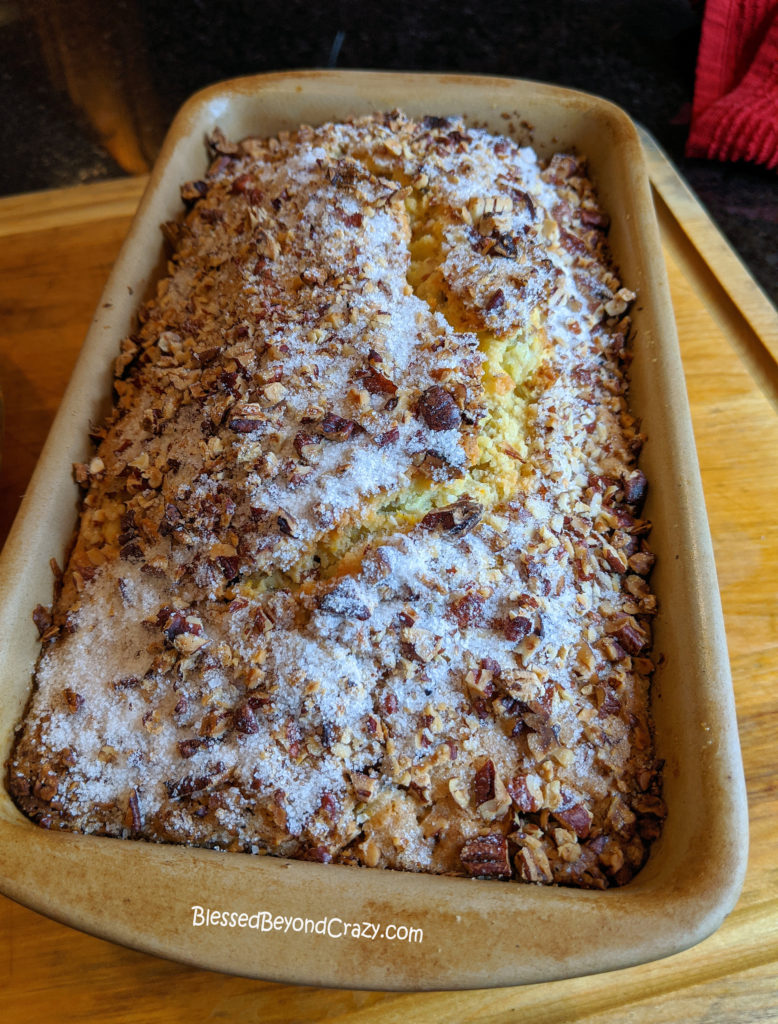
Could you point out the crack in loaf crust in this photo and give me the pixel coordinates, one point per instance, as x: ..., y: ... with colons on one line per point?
x: 360, y: 574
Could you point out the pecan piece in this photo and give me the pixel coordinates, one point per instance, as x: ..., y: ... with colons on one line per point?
x: 191, y: 191
x: 335, y: 428
x: 632, y: 639
x: 320, y: 854
x: 73, y: 700
x: 642, y: 562
x: 363, y: 785
x: 344, y: 599
x: 526, y: 793
x: 594, y: 219
x: 388, y: 437
x: 516, y: 628
x: 251, y: 419
x: 417, y: 644
x: 245, y: 720
x: 486, y: 857
x: 188, y: 748
x: 42, y: 618
x: 479, y: 684
x: 191, y: 784
x: 218, y: 143
x: 44, y: 621
x: 635, y: 485
x: 533, y: 865
x: 307, y: 446
x: 376, y: 383
x: 437, y: 408
x: 132, y: 817
x: 182, y: 632
x: 615, y: 559
x: 287, y: 524
x: 468, y: 610
x: 484, y: 782
x: 577, y: 818
x: 458, y: 518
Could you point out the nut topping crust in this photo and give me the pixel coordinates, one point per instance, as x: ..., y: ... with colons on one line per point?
x: 361, y: 574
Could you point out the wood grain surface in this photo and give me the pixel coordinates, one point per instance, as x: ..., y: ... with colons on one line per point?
x: 55, y: 255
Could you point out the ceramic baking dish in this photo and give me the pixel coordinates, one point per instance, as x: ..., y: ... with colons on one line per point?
x: 295, y: 921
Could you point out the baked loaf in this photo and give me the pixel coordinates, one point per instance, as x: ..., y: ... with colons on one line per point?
x: 360, y: 573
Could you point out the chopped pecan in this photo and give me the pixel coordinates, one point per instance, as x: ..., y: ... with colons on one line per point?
x: 287, y: 524
x: 458, y: 518
x: 190, y: 784
x: 479, y: 682
x: 484, y: 782
x: 189, y: 643
x: 615, y: 559
x: 132, y: 551
x: 320, y: 854
x: 646, y: 803
x: 533, y: 865
x: 191, y: 191
x: 44, y: 620
x: 419, y: 644
x: 182, y: 631
x: 188, y: 748
x: 642, y: 562
x: 73, y: 700
x: 247, y: 418
x: 267, y: 245
x: 594, y: 219
x: 388, y: 437
x: 229, y: 565
x: 468, y: 610
x: 486, y: 857
x: 218, y: 143
x: 307, y: 446
x: 458, y: 791
x: 344, y: 599
x: 516, y: 628
x: 46, y: 788
x: 314, y: 275
x: 274, y: 393
x: 635, y: 485
x: 526, y: 793
x: 245, y: 720
x: 437, y: 408
x: 335, y: 428
x: 172, y: 621
x: 364, y: 786
x: 492, y: 798
x: 132, y: 818
x: 577, y: 818
x: 626, y: 631
x: 389, y: 704
x: 126, y: 683
x: 375, y: 382
x: 561, y: 167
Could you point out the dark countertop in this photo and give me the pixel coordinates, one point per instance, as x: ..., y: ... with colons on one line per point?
x: 88, y: 88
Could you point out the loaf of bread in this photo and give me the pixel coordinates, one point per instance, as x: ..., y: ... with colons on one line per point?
x: 360, y: 574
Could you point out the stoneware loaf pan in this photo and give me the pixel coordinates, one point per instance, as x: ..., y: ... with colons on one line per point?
x: 295, y: 921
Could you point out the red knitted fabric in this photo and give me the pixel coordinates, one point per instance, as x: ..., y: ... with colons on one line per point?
x: 735, y: 111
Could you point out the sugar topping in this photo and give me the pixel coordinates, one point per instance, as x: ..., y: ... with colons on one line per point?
x: 361, y: 573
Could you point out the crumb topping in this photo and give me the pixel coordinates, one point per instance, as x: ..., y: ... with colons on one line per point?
x: 360, y: 573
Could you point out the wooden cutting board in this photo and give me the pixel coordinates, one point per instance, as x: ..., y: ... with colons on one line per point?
x: 56, y: 249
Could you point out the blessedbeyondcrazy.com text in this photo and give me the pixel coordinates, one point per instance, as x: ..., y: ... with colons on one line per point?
x: 329, y: 927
